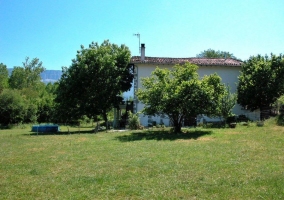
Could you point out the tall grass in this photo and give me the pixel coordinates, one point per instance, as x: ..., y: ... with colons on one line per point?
x: 242, y: 163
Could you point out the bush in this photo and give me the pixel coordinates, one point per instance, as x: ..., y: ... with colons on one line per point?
x: 233, y: 125
x: 242, y: 118
x: 280, y: 120
x: 110, y: 123
x: 133, y: 121
x: 260, y: 123
x: 231, y: 119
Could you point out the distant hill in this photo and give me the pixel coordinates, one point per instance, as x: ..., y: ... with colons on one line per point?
x: 47, y: 76
x: 51, y: 76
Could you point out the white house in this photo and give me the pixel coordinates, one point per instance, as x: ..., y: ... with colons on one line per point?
x: 228, y: 69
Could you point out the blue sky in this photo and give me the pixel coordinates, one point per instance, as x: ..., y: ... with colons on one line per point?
x: 53, y: 30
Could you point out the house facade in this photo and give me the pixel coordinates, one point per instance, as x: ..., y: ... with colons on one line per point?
x: 228, y: 69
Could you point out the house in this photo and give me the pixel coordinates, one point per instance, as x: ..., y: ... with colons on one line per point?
x: 228, y: 69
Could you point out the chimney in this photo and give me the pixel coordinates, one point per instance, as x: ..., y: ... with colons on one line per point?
x: 142, y: 52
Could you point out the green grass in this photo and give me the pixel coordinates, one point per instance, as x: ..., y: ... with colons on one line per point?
x: 240, y: 163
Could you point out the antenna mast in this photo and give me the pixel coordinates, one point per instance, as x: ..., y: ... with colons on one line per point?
x: 138, y: 35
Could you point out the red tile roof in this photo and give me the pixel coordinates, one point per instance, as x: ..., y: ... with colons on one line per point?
x: 197, y: 61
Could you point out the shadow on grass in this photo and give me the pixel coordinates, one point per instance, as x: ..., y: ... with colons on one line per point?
x: 162, y: 135
x: 64, y: 132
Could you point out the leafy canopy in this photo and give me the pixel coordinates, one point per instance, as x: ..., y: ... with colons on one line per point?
x: 210, y: 53
x: 4, y: 77
x: 261, y: 81
x: 228, y: 101
x: 179, y: 93
x: 13, y: 107
x: 23, y: 93
x: 27, y: 76
x: 93, y: 83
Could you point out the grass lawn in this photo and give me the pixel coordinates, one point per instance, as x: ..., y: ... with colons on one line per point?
x: 240, y: 163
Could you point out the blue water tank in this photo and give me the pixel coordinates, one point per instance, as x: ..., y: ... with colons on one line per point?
x: 45, y: 128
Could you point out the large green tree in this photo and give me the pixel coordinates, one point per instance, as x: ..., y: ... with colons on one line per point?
x: 4, y: 77
x: 210, y: 53
x: 261, y: 81
x: 180, y: 93
x: 93, y: 83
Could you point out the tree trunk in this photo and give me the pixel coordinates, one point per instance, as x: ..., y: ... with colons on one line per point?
x: 264, y: 112
x: 177, y: 129
x: 177, y: 126
x: 177, y: 122
x: 105, y: 119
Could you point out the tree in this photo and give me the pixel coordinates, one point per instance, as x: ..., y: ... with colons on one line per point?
x: 13, y: 107
x: 4, y: 77
x: 27, y: 76
x: 27, y: 81
x: 179, y: 93
x: 46, y: 104
x: 210, y: 53
x: 228, y: 101
x: 93, y: 83
x: 261, y: 81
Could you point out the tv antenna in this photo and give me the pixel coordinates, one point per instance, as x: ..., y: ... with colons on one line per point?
x: 138, y: 35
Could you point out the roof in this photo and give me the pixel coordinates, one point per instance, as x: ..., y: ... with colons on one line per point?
x: 197, y: 61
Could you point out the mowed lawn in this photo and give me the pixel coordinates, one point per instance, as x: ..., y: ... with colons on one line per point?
x: 240, y: 163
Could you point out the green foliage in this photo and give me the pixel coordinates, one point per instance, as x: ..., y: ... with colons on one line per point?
x: 210, y: 53
x: 13, y: 107
x: 92, y: 84
x: 280, y: 117
x: 31, y: 115
x: 228, y: 101
x: 27, y: 76
x: 179, y: 93
x: 46, y: 104
x: 261, y: 81
x: 279, y: 103
x: 133, y: 121
x: 17, y: 108
x: 29, y: 99
x: 4, y: 77
x: 280, y: 120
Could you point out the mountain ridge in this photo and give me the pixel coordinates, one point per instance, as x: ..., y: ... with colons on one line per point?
x: 51, y: 76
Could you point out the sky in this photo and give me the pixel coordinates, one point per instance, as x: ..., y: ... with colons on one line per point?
x: 53, y: 30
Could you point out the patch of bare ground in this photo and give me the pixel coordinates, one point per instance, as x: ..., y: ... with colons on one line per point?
x: 198, y: 139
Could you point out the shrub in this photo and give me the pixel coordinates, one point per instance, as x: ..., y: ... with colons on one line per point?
x: 133, y: 121
x: 280, y: 120
x: 243, y: 118
x: 233, y: 125
x: 231, y: 119
x: 260, y: 123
